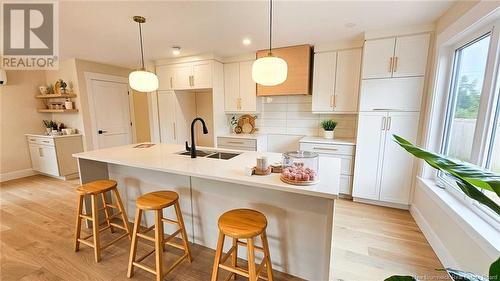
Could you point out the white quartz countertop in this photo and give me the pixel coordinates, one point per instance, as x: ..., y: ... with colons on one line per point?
x: 52, y: 137
x: 163, y: 157
x: 328, y: 141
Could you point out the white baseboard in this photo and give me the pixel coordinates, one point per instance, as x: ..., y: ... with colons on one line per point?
x: 17, y: 174
x: 444, y: 256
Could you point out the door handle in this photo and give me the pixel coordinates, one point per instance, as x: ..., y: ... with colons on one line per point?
x: 383, y: 123
x: 102, y: 132
x: 389, y: 122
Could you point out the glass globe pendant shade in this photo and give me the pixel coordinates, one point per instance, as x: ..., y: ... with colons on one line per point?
x: 143, y: 81
x: 269, y: 71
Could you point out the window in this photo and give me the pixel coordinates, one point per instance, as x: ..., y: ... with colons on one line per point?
x: 472, y: 124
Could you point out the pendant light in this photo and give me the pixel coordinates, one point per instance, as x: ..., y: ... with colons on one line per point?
x: 142, y: 80
x: 270, y: 70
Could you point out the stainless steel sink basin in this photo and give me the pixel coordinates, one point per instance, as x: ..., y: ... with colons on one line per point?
x: 199, y: 153
x: 223, y: 155
x: 211, y: 154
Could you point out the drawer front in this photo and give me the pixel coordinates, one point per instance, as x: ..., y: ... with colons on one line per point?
x: 328, y: 148
x: 43, y: 141
x: 221, y: 141
x: 345, y: 184
x: 246, y: 148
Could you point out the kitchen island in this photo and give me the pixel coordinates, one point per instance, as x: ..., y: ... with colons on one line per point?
x: 300, y: 218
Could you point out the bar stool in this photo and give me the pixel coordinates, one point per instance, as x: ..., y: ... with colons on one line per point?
x: 157, y: 201
x: 94, y: 190
x: 242, y: 224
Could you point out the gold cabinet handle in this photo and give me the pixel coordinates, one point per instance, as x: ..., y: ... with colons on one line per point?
x: 389, y: 122
x: 236, y: 142
x: 331, y: 100
x: 395, y: 66
x: 391, y: 64
x: 334, y: 100
x: 40, y: 152
x: 175, y: 132
x: 383, y: 123
x: 171, y: 84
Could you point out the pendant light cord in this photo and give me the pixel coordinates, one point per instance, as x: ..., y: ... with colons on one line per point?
x: 142, y: 51
x: 270, y: 24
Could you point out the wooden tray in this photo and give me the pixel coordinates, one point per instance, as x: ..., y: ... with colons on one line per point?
x: 294, y: 182
x: 258, y: 172
x: 246, y: 120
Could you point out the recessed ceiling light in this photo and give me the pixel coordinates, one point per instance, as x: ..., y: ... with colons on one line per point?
x: 247, y: 41
x: 176, y: 50
x: 350, y: 25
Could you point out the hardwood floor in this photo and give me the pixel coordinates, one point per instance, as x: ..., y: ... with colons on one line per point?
x: 37, y: 216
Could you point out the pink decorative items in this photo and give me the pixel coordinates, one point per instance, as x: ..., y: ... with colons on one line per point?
x: 300, y: 168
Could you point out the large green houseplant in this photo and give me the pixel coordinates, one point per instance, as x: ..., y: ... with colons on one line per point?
x: 471, y: 179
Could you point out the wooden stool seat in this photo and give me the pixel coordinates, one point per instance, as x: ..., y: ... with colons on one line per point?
x: 96, y: 187
x: 95, y: 190
x: 157, y: 200
x: 242, y: 223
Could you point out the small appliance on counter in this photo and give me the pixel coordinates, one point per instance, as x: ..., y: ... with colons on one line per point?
x: 300, y: 168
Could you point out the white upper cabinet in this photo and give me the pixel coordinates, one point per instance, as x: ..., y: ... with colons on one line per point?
x: 410, y: 55
x: 347, y: 80
x: 239, y: 88
x: 231, y: 86
x: 323, y: 81
x: 378, y: 57
x: 165, y: 75
x: 336, y: 81
x: 402, y: 56
x: 403, y: 94
x: 185, y: 76
x: 248, y: 88
x: 202, y: 75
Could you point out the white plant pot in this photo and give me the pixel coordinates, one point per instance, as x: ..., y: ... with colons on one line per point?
x: 328, y: 134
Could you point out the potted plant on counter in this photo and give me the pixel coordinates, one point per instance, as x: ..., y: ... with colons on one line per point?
x: 328, y: 127
x: 49, y: 126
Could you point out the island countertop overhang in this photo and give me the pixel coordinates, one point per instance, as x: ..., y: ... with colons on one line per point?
x: 164, y: 158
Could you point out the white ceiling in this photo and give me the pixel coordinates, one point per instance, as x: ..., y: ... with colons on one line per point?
x: 104, y: 31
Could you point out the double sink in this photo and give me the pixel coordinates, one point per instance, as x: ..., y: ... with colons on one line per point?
x: 211, y: 154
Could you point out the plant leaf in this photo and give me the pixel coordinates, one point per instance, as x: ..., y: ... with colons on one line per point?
x: 470, y: 173
x: 458, y: 275
x: 475, y: 194
x: 495, y: 270
x: 401, y: 278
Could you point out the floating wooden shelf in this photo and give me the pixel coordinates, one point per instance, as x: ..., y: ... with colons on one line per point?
x: 56, y: 96
x: 44, y: 110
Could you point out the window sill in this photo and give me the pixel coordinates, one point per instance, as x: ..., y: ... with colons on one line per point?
x: 476, y: 227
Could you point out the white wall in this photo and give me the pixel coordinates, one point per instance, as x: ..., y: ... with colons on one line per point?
x: 18, y: 116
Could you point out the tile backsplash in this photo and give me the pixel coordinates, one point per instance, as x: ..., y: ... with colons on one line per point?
x: 291, y: 115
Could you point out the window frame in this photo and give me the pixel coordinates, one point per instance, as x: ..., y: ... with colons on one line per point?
x: 488, y: 115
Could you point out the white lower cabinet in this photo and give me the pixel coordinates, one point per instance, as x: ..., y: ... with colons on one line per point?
x: 53, y: 155
x: 330, y: 149
x: 383, y: 170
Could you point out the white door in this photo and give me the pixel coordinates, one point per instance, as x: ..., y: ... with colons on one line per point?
x: 324, y: 81
x: 347, y: 80
x: 248, y: 88
x: 202, y: 75
x: 165, y: 75
x: 369, y: 154
x: 377, y: 58
x: 231, y: 86
x: 182, y: 76
x: 398, y: 164
x: 112, y: 113
x: 166, y: 114
x: 410, y: 55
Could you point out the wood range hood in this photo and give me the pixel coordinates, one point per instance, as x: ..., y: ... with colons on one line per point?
x: 298, y: 81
